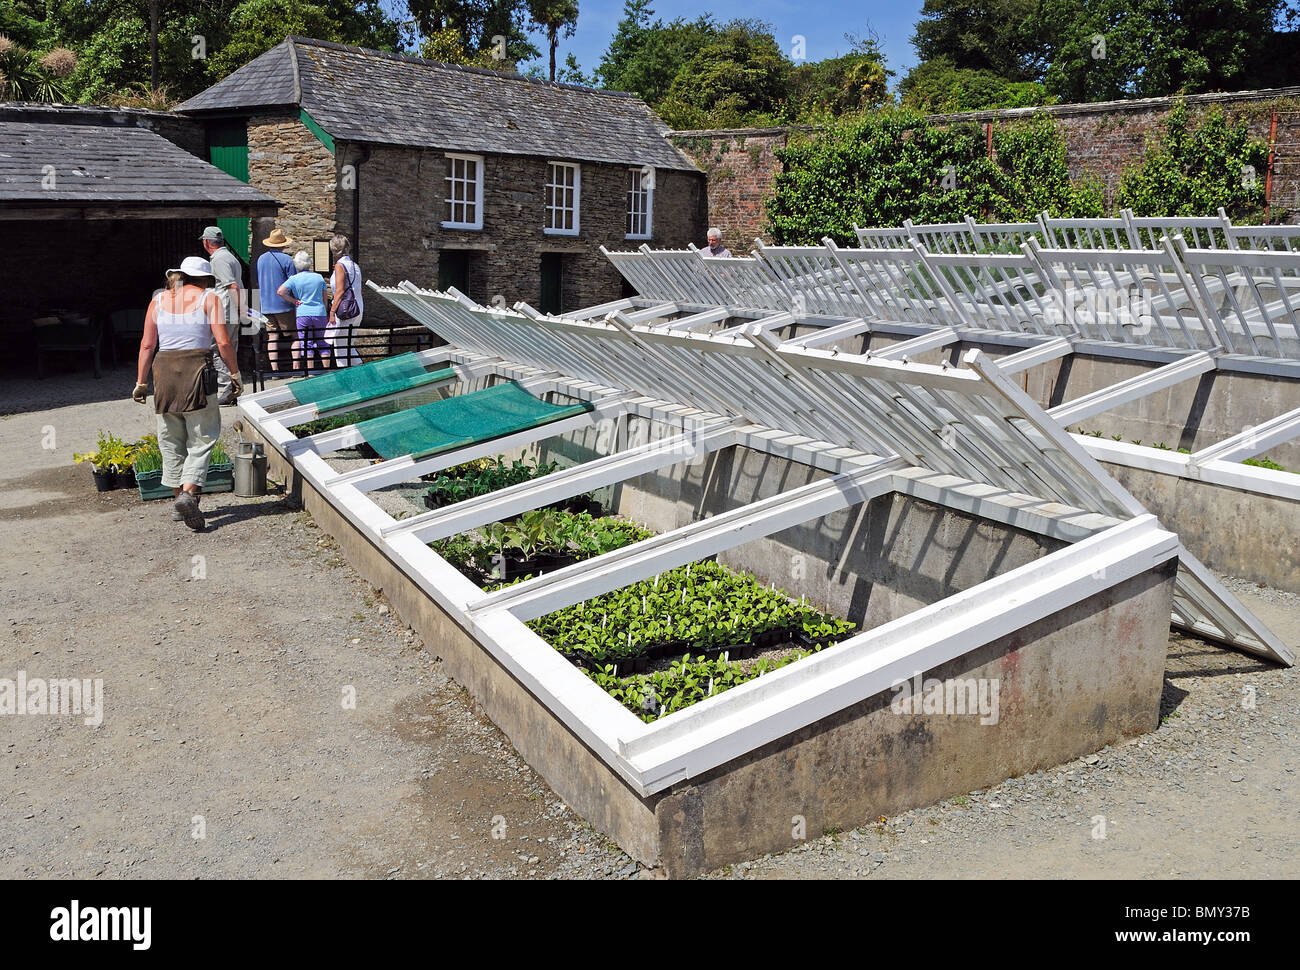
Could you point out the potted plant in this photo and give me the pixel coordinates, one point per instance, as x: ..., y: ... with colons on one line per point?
x: 221, y: 471
x: 123, y: 459
x: 110, y: 463
x: 148, y: 469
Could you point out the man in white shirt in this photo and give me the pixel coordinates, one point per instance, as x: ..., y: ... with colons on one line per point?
x: 230, y: 288
x: 715, y: 247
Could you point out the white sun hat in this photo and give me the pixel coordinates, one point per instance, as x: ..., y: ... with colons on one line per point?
x: 194, y: 266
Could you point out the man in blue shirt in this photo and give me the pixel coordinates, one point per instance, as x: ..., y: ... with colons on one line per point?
x: 274, y: 267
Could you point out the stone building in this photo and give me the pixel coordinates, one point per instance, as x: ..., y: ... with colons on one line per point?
x: 500, y: 185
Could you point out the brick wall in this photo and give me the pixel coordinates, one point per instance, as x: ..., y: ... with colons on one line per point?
x: 1101, y: 139
x: 741, y: 166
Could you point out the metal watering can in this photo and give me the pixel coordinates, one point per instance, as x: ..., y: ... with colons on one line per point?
x: 250, y: 470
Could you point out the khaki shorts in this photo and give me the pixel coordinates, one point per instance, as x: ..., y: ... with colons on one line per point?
x: 282, y: 322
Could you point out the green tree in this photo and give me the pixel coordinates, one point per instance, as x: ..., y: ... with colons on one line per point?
x: 258, y: 25
x: 478, y: 22
x: 1110, y: 49
x: 28, y: 24
x: 447, y: 45
x: 836, y: 85
x: 648, y: 61
x: 27, y: 75
x: 1192, y: 170
x: 629, y: 37
x: 737, y: 77
x: 554, y: 17
x: 940, y: 86
x: 1001, y: 36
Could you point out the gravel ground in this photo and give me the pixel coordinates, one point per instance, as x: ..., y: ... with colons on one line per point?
x: 223, y: 699
x: 223, y: 695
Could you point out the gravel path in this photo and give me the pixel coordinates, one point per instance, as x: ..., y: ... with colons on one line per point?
x: 224, y: 689
x: 224, y: 693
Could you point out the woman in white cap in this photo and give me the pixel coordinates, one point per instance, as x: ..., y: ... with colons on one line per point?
x: 183, y: 321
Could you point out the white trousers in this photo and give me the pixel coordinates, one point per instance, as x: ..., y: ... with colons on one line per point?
x: 185, y: 440
x: 339, y: 339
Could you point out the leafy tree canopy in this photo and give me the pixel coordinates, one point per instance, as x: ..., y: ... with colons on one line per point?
x: 702, y: 73
x: 1098, y: 50
x: 939, y: 86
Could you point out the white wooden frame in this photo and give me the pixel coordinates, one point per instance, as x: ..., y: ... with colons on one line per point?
x: 553, y: 188
x: 1112, y: 538
x: 449, y: 198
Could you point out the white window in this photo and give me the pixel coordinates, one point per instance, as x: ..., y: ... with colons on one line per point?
x: 464, y: 192
x: 563, y: 186
x: 640, y: 202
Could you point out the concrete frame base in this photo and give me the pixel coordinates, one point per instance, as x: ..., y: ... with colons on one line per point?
x: 1077, y: 680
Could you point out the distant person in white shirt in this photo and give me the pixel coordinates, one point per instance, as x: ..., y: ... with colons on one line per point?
x: 715, y: 243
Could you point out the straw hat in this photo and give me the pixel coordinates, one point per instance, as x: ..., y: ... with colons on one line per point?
x: 277, y: 239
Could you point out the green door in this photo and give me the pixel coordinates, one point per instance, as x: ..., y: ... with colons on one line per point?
x: 228, y: 151
x: 552, y: 282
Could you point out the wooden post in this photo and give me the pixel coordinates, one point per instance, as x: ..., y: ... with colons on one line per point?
x: 1268, y: 177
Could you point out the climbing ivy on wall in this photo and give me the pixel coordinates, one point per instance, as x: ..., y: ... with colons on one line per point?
x: 881, y: 168
x: 1192, y: 170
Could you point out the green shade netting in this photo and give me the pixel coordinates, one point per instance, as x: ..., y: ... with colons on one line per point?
x: 352, y: 385
x: 456, y: 421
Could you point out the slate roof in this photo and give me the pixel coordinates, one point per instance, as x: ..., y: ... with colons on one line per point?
x: 371, y: 96
x: 110, y: 165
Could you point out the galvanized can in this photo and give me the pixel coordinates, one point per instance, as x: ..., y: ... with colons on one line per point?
x: 250, y: 470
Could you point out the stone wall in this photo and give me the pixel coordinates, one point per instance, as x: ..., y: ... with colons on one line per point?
x: 403, y: 193
x: 289, y: 163
x: 1101, y: 140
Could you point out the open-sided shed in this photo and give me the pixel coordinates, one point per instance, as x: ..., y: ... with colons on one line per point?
x: 94, y: 205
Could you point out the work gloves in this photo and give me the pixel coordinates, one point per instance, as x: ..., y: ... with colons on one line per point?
x: 140, y: 394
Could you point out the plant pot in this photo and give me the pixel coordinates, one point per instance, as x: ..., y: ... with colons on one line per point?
x: 221, y: 478
x: 546, y: 561
x: 104, y: 480
x: 124, y: 478
x: 151, y: 486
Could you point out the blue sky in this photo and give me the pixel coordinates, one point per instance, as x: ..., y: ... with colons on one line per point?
x: 822, y: 22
